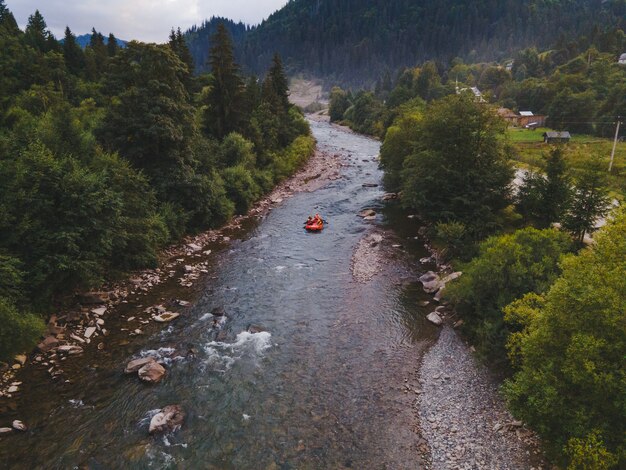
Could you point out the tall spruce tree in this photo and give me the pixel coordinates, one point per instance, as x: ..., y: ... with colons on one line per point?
x: 112, y: 46
x: 7, y: 21
x: 276, y: 85
x: 74, y: 55
x: 37, y: 34
x: 590, y: 201
x: 224, y: 99
x: 179, y: 46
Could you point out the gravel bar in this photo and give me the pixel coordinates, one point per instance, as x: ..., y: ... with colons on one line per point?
x: 463, y: 416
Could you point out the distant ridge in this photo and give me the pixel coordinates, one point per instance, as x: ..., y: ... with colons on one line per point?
x: 83, y: 40
x: 355, y: 41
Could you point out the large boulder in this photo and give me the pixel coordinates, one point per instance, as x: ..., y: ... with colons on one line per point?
x: 169, y: 419
x: 152, y: 372
x: 435, y: 318
x: 136, y: 364
x: 431, y: 282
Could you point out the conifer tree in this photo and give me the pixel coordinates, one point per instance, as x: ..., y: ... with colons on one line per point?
x: 179, y: 46
x: 224, y: 100
x: 276, y: 86
x: 37, y: 34
x: 74, y: 56
x: 7, y: 20
x: 112, y: 46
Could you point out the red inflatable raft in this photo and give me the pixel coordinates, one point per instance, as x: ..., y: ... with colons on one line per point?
x: 315, y: 226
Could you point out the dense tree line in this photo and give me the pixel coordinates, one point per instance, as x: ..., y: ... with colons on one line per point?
x: 355, y: 41
x: 578, y: 84
x: 108, y: 153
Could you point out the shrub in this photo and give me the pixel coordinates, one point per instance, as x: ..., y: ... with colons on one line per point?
x: 507, y: 267
x: 571, y: 378
x: 19, y: 330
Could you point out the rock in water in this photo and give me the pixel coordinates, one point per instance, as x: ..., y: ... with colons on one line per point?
x: 5, y: 430
x: 435, y: 318
x: 153, y: 372
x: 134, y: 365
x: 169, y: 419
x: 18, y: 425
x: 431, y: 282
x: 255, y: 329
x: 166, y: 317
x: 367, y: 213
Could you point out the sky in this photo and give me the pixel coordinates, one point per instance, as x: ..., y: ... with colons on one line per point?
x: 145, y: 20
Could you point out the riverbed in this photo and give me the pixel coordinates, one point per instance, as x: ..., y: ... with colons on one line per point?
x: 323, y: 385
x: 322, y: 360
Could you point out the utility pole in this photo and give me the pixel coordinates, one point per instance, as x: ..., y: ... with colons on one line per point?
x: 615, y: 143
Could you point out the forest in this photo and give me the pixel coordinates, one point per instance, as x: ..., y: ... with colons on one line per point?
x: 539, y: 299
x: 353, y: 42
x: 108, y: 154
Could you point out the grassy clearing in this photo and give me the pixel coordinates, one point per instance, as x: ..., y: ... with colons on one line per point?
x: 530, y: 151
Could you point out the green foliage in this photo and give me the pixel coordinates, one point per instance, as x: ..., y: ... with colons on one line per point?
x: 589, y: 453
x: 399, y: 142
x: 240, y: 187
x: 11, y: 278
x: 364, y: 114
x: 458, y: 169
x: 571, y: 379
x: 19, y: 330
x: 236, y: 150
x: 225, y: 95
x: 545, y: 198
x: 150, y: 120
x: 339, y: 103
x: 506, y: 268
x: 589, y: 202
x: 453, y: 236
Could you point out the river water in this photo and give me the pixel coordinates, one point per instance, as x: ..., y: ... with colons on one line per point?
x: 322, y: 387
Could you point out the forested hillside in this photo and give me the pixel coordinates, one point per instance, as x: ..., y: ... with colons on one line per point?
x: 108, y: 154
x: 353, y: 41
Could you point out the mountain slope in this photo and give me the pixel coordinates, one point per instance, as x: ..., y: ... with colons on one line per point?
x: 353, y: 41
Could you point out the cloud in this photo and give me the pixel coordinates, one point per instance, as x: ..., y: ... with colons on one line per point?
x: 145, y: 20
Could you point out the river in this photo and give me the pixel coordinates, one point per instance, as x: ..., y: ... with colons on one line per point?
x: 322, y: 387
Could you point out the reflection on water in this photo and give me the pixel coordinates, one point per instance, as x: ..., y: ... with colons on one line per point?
x: 305, y: 370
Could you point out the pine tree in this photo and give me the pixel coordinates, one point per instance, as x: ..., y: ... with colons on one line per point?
x: 276, y: 86
x: 590, y: 201
x: 557, y: 188
x: 96, y: 55
x: 224, y: 100
x: 7, y: 21
x: 74, y: 56
x: 37, y: 35
x: 179, y: 45
x: 112, y: 46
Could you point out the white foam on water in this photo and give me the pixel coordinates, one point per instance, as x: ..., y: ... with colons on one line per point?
x: 161, y: 355
x: 147, y: 417
x: 280, y: 268
x: 222, y: 356
x: 78, y: 404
